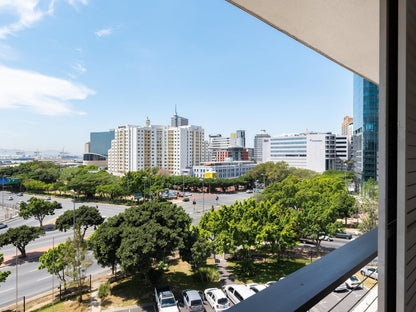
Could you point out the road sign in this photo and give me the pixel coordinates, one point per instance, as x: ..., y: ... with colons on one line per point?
x: 137, y: 195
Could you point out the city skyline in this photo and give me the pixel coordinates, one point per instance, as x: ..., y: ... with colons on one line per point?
x: 68, y: 68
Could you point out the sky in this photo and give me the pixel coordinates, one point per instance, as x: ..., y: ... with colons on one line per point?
x: 71, y: 67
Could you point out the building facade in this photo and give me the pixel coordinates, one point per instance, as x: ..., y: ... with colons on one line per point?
x: 227, y: 169
x: 347, y: 126
x: 258, y: 145
x: 96, y: 150
x: 365, y: 138
x: 176, y: 149
x: 313, y: 151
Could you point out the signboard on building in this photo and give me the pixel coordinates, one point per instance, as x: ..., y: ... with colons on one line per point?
x: 210, y: 175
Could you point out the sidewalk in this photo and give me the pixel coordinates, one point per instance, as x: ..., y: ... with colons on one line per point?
x: 226, y: 277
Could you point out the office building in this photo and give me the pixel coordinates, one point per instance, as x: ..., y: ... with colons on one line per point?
x: 365, y: 138
x: 96, y: 150
x: 258, y: 145
x: 313, y: 151
x: 177, y: 121
x: 347, y: 126
x: 226, y: 169
x: 343, y: 153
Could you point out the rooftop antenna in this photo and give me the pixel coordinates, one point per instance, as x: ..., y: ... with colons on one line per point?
x: 176, y: 113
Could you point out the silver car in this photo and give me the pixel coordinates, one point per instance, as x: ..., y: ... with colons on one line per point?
x: 192, y: 300
x: 370, y: 272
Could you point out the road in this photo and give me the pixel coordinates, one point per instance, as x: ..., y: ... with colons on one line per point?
x: 32, y: 281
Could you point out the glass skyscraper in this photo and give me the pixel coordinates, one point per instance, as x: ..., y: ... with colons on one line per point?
x: 365, y: 139
x: 100, y: 142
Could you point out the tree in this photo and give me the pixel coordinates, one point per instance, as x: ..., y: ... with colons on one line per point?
x: 369, y: 210
x: 56, y: 261
x: 37, y: 208
x: 106, y: 240
x: 20, y: 237
x: 85, y: 216
x: 200, y: 252
x: 78, y: 260
x: 150, y: 233
x: 4, y: 274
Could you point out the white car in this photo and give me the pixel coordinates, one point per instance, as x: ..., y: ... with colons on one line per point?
x: 48, y: 198
x: 342, y: 287
x: 217, y: 299
x: 10, y: 198
x: 256, y: 287
x: 272, y: 282
x: 370, y: 272
x: 353, y: 282
x: 237, y: 292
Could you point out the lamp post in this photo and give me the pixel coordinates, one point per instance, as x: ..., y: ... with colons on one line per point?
x: 144, y: 185
x: 183, y: 184
x: 203, y: 196
x: 73, y: 193
x: 2, y: 197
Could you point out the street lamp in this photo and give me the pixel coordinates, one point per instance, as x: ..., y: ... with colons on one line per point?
x: 203, y: 195
x: 73, y: 193
x: 144, y: 192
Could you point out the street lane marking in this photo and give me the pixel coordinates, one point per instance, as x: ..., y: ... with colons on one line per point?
x: 50, y: 221
x: 43, y: 278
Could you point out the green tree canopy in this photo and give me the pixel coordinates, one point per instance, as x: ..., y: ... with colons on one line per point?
x: 20, y: 237
x: 85, y: 216
x: 56, y: 260
x: 3, y: 274
x: 37, y: 208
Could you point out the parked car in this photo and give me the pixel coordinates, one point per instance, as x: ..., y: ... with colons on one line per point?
x: 59, y: 206
x: 272, y: 282
x: 165, y: 300
x: 19, y: 194
x: 48, y: 198
x: 10, y: 198
x: 256, y: 287
x: 192, y: 300
x: 217, y: 299
x: 342, y: 287
x: 353, y: 282
x: 20, y: 202
x: 249, y: 191
x: 370, y: 272
x: 343, y: 235
x: 187, y: 194
x: 3, y: 225
x: 237, y: 293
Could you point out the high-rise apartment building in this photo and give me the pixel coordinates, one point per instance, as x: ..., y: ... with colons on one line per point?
x: 347, y: 126
x: 258, y: 145
x: 313, y: 151
x: 365, y: 138
x: 176, y: 149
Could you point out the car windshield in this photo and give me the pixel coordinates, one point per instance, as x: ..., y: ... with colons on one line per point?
x: 196, y: 302
x: 223, y: 301
x: 354, y: 279
x: 168, y: 302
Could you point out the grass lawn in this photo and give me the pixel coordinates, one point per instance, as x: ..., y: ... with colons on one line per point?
x: 68, y: 305
x: 264, y: 271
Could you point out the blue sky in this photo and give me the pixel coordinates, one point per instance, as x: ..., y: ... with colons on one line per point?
x: 70, y: 67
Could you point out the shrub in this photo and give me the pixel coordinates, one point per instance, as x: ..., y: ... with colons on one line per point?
x: 104, y: 290
x: 210, y: 274
x: 185, y: 199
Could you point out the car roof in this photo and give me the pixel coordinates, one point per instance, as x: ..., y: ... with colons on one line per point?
x: 217, y: 292
x: 242, y: 289
x: 192, y: 294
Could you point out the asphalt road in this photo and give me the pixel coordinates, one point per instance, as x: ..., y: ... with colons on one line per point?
x: 32, y: 281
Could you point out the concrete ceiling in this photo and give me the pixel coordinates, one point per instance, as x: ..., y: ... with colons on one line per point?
x: 345, y: 31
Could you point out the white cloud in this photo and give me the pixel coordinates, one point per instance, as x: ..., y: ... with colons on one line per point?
x: 44, y: 94
x: 28, y: 13
x: 103, y: 32
x: 78, y: 67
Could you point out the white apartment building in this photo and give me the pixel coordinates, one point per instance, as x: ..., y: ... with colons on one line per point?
x: 258, y: 145
x: 173, y: 148
x: 313, y: 151
x: 344, y: 153
x: 223, y: 169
